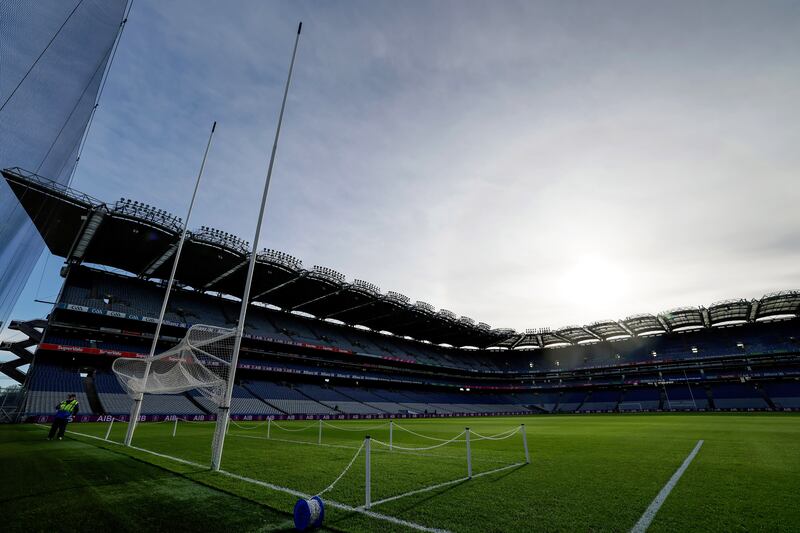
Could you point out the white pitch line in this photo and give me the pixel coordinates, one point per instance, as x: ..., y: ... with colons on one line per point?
x: 337, y: 505
x: 650, y: 513
x: 445, y: 484
x: 278, y: 488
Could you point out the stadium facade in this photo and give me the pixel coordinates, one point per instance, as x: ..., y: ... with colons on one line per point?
x: 317, y: 345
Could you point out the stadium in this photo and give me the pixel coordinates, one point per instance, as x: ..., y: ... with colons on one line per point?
x: 343, y: 406
x: 303, y: 358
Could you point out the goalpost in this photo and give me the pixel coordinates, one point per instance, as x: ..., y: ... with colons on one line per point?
x: 223, y: 412
x: 207, y: 356
x: 138, y: 392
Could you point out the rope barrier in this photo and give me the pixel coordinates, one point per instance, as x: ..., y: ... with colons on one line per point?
x: 298, y: 429
x: 335, y: 481
x: 248, y: 428
x: 395, y: 446
x: 421, y: 435
x: 508, y: 434
x: 358, y: 429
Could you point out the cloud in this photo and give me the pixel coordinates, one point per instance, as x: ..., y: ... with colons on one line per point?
x: 523, y: 164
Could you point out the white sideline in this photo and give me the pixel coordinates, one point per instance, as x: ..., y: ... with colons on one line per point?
x: 278, y: 488
x: 650, y: 513
x: 445, y: 484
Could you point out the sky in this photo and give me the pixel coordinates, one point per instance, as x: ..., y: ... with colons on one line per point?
x: 526, y: 164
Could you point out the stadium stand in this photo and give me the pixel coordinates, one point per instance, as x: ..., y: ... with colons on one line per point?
x: 286, y: 399
x: 640, y: 400
x: 737, y: 396
x: 601, y: 400
x: 685, y: 397
x: 316, y: 344
x: 48, y: 385
x: 784, y: 395
x: 569, y: 402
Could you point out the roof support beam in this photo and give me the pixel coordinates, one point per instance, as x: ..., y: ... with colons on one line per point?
x: 754, y: 311
x: 379, y: 317
x: 84, y: 237
x: 359, y: 306
x: 420, y: 317
x: 519, y: 340
x: 147, y: 272
x: 626, y: 328
x: 276, y: 287
x: 318, y: 298
x: 225, y: 275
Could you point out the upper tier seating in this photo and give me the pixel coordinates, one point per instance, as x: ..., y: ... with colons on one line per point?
x: 133, y: 296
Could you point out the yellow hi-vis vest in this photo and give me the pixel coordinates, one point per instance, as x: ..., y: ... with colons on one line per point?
x: 66, y: 408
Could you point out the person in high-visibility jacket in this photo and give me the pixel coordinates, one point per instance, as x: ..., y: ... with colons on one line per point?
x: 66, y: 410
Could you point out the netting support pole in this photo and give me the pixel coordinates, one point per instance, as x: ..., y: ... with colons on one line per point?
x: 137, y: 400
x: 319, y: 440
x: 525, y: 444
x: 108, y: 431
x: 469, y: 455
x: 269, y: 425
x: 224, y: 408
x: 175, y: 427
x: 368, y: 485
x: 391, y: 432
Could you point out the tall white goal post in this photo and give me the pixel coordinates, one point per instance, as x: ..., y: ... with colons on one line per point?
x: 205, y: 360
x: 136, y: 409
x: 223, y: 413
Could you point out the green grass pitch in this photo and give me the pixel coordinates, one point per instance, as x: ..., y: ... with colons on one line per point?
x: 587, y: 473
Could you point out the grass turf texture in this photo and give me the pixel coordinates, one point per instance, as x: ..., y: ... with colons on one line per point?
x: 587, y: 473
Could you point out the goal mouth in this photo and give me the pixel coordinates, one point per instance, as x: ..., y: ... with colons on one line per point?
x: 200, y: 361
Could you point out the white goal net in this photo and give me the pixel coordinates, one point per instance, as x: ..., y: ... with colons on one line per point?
x: 201, y: 361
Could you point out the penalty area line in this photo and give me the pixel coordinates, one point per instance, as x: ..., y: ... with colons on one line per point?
x: 650, y: 513
x: 277, y: 488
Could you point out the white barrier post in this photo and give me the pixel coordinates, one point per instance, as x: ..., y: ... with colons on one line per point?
x: 269, y: 425
x: 469, y: 456
x: 227, y: 424
x: 367, y: 488
x: 525, y: 445
x: 108, y: 431
x: 391, y: 430
x: 175, y: 427
x: 319, y: 440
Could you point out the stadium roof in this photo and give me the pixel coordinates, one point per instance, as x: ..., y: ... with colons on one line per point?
x: 141, y: 239
x: 730, y: 312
